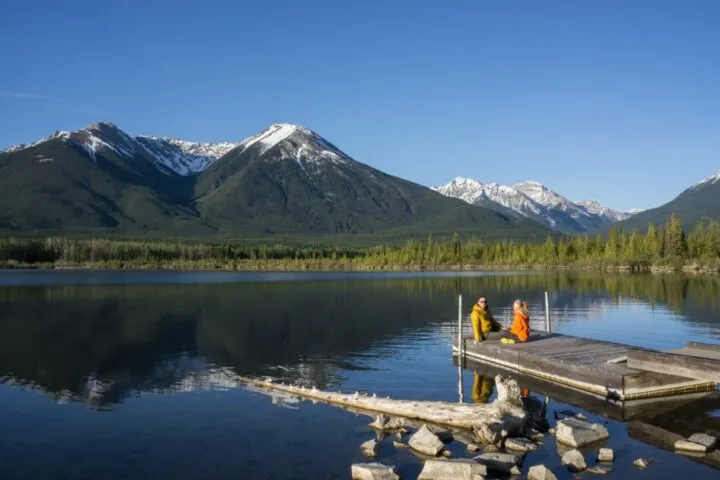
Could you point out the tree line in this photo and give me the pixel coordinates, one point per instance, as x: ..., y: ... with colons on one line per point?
x: 668, y: 245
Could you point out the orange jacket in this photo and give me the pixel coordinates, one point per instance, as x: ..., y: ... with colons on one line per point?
x: 521, y: 325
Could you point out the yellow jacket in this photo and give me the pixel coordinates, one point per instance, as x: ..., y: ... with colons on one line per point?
x: 484, y: 318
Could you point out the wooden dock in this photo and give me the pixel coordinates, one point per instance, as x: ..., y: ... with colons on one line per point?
x: 610, y: 370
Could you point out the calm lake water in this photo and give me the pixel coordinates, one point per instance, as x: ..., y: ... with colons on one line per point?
x: 132, y: 374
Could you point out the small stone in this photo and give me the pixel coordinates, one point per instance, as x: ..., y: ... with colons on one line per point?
x: 373, y: 471
x: 379, y: 422
x: 447, y: 453
x: 425, y: 441
x: 578, y: 433
x: 606, y: 455
x: 501, y: 462
x: 582, y: 417
x: 400, y: 445
x: 708, y: 441
x: 643, y: 462
x: 537, y: 437
x: 442, y: 469
x: 398, y: 435
x: 490, y: 448
x: 369, y: 448
x: 574, y: 460
x: 690, y: 446
x: 384, y: 422
x: 520, y: 444
x: 551, y: 432
x: 472, y: 448
x: 598, y: 470
x: 540, y: 472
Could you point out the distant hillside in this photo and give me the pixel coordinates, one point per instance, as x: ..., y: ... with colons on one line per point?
x: 699, y: 202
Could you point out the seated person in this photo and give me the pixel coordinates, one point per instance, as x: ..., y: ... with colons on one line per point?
x: 520, y: 329
x: 482, y: 320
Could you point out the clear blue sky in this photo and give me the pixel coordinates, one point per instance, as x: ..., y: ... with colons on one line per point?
x: 613, y: 100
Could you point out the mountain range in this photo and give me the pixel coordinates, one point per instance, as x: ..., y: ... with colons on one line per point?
x: 285, y: 181
x: 537, y: 202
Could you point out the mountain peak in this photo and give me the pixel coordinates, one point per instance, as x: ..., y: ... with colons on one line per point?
x: 715, y: 178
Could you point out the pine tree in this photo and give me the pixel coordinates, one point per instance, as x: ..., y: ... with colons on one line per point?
x: 675, y: 244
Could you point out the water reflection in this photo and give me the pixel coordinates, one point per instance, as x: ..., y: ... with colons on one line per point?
x: 99, y: 344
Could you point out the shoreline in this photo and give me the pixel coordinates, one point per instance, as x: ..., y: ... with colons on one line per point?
x: 321, y: 266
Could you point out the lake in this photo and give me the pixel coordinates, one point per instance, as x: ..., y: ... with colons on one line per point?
x: 133, y: 374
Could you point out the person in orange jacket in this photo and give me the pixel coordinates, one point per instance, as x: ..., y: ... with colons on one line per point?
x: 520, y: 329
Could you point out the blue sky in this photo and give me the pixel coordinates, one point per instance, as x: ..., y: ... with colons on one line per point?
x: 611, y: 100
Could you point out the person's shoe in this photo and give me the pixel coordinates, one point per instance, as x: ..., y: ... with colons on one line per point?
x: 510, y: 341
x: 503, y: 340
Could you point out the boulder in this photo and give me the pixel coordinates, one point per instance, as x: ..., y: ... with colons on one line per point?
x: 578, y: 433
x: 606, y: 455
x: 501, y: 462
x: 574, y: 460
x: 373, y: 471
x: 520, y: 444
x: 369, y: 448
x: 425, y: 441
x: 442, y: 469
x: 690, y: 446
x: 708, y: 441
x: 540, y: 472
x: 643, y: 462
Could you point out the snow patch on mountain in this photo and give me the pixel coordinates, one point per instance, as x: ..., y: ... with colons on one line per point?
x: 595, y: 208
x: 184, y: 157
x: 715, y: 178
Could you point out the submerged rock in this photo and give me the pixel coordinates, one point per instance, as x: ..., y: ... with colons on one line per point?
x: 500, y: 462
x: 520, y: 444
x: 373, y: 471
x: 400, y: 445
x: 385, y: 422
x: 598, y: 470
x: 442, y: 469
x: 540, y: 472
x: 472, y: 448
x: 425, y: 441
x: 708, y: 441
x: 369, y: 448
x: 606, y: 455
x: 444, y: 435
x: 578, y: 433
x: 574, y: 460
x: 643, y: 462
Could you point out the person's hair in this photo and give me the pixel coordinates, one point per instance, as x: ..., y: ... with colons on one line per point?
x: 518, y: 302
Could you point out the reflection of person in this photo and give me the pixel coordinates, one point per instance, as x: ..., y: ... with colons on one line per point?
x: 482, y: 320
x: 520, y: 330
x: 482, y: 388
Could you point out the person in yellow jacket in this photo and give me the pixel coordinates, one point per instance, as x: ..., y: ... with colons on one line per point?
x: 482, y: 320
x: 482, y: 388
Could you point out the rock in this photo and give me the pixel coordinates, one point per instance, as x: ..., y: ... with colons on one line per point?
x: 442, y: 469
x: 551, y: 432
x: 369, y: 448
x: 606, y: 455
x: 399, y: 445
x: 490, y: 449
x: 537, y: 437
x: 520, y: 444
x: 447, y: 453
x: 373, y: 471
x: 643, y: 462
x: 574, y: 460
x: 690, y: 446
x: 385, y: 422
x: 472, y: 448
x: 425, y: 441
x: 598, y: 470
x: 708, y: 441
x: 444, y: 435
x: 500, y: 462
x: 578, y: 433
x: 582, y: 417
x: 540, y: 472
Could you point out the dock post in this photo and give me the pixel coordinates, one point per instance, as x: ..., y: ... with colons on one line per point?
x: 461, y: 352
x: 547, y: 313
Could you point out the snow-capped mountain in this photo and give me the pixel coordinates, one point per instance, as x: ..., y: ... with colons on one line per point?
x: 715, y: 178
x: 535, y: 201
x: 170, y: 154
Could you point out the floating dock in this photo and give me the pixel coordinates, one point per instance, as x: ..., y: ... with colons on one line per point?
x: 610, y: 370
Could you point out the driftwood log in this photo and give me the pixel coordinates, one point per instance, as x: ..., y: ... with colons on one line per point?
x: 491, y: 422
